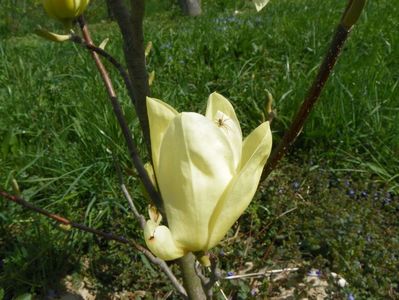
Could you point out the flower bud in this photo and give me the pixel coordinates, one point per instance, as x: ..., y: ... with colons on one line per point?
x: 352, y: 13
x: 65, y: 10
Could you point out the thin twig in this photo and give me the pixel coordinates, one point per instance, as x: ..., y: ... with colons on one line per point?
x: 313, y: 95
x: 286, y: 212
x: 350, y: 16
x: 139, y: 217
x: 152, y: 192
x: 121, y: 69
x: 107, y: 235
x: 261, y: 274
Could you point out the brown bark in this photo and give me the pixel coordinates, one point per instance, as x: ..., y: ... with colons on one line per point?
x: 130, y: 21
x: 313, y: 95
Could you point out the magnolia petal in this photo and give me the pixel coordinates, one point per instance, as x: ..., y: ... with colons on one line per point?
x: 259, y: 4
x: 262, y: 134
x: 238, y: 195
x: 194, y: 169
x: 160, y: 114
x: 154, y: 214
x: 221, y: 112
x: 160, y: 241
x: 217, y: 102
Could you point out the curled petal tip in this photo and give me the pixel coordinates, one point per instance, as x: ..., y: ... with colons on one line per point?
x: 160, y: 241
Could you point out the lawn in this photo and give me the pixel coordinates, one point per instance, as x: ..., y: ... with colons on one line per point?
x: 338, y: 186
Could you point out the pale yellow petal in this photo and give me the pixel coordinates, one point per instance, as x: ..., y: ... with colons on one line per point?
x: 221, y: 112
x: 160, y: 114
x: 160, y: 241
x: 259, y: 4
x: 154, y: 214
x: 256, y: 150
x: 194, y: 169
x: 260, y: 139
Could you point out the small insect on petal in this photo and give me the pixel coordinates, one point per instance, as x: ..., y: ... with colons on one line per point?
x: 222, y: 121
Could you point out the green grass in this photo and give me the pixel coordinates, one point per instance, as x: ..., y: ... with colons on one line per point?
x: 58, y: 137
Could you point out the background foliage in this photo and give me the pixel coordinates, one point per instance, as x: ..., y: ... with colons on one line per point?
x: 58, y: 137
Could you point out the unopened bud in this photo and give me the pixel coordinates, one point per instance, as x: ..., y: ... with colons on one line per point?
x: 151, y: 78
x: 148, y: 48
x: 65, y: 227
x: 15, y: 187
x: 352, y: 13
x: 65, y: 10
x: 270, y: 114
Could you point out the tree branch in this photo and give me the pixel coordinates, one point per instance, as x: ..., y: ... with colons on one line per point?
x: 107, y: 235
x: 152, y: 192
x: 130, y: 23
x: 326, y: 67
x: 139, y: 217
x: 121, y: 69
x: 349, y: 17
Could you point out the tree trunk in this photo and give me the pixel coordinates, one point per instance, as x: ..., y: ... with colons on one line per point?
x: 191, y: 7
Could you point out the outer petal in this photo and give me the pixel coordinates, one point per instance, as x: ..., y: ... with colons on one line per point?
x: 160, y: 115
x: 195, y: 167
x: 259, y: 4
x: 160, y: 241
x: 222, y: 113
x: 238, y: 195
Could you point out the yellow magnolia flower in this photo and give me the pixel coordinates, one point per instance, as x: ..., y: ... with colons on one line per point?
x: 207, y: 174
x: 65, y: 10
x: 259, y: 4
